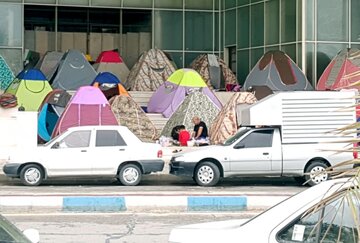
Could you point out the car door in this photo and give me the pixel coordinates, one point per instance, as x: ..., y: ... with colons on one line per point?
x: 111, y: 150
x: 253, y: 154
x: 71, y: 155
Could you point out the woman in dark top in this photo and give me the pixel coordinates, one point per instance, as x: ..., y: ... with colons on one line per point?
x: 200, y: 129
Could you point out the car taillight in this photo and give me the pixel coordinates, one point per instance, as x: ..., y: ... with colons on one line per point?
x: 159, y: 153
x: 355, y: 152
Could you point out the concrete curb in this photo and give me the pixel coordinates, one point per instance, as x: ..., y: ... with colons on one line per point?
x: 133, y: 203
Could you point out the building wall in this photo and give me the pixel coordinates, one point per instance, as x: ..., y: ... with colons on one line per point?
x: 311, y: 32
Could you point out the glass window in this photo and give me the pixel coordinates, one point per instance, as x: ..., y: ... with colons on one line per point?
x: 189, y: 58
x: 217, y: 36
x: 257, y: 24
x: 334, y: 222
x: 332, y: 15
x: 71, y: 19
x: 242, y: 2
x: 242, y: 65
x: 310, y: 63
x: 169, y: 22
x: 138, y: 3
x: 177, y: 58
x: 243, y: 27
x: 74, y: 2
x: 198, y: 31
x: 109, y: 138
x: 290, y: 50
x: 272, y: 22
x: 169, y: 4
x: 288, y: 20
x: 230, y: 4
x: 230, y: 27
x: 40, y: 1
x: 110, y: 3
x: 77, y: 139
x: 258, y: 139
x: 199, y: 4
x: 11, y: 25
x: 310, y: 16
x: 256, y: 54
x: 355, y: 20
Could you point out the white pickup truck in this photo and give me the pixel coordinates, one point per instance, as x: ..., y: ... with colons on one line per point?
x: 294, y: 139
x: 88, y: 151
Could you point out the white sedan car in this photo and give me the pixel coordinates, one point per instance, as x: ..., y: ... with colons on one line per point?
x: 286, y: 221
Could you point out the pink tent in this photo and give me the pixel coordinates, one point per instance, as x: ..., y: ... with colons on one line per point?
x: 342, y: 71
x: 88, y: 106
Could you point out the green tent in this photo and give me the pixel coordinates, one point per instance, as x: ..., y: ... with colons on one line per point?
x: 30, y: 88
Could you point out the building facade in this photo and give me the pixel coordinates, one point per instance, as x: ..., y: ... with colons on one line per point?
x: 311, y: 32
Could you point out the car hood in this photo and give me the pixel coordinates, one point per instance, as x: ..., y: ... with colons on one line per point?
x: 222, y: 231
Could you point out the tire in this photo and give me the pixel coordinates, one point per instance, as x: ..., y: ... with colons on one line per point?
x: 207, y: 174
x: 31, y: 175
x: 300, y: 179
x: 313, y: 175
x: 130, y: 175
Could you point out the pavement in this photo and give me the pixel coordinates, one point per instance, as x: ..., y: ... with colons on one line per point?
x: 157, y: 193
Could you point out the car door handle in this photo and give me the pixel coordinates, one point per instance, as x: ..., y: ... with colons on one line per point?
x: 84, y: 150
x: 265, y: 153
x: 121, y: 149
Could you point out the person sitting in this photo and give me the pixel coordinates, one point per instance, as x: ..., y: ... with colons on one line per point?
x: 184, y: 136
x: 200, y: 129
x: 175, y: 132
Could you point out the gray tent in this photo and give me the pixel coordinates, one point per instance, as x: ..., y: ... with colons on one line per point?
x: 73, y: 72
x: 277, y: 71
x: 195, y: 104
x: 49, y: 63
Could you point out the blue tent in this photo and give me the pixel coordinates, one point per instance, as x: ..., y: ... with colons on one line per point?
x: 105, y: 78
x: 109, y: 84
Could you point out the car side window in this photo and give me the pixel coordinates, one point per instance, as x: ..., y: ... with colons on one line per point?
x: 335, y: 222
x: 76, y: 139
x: 109, y: 138
x: 257, y: 139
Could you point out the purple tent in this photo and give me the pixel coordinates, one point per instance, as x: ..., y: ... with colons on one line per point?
x: 171, y: 93
x: 88, y: 106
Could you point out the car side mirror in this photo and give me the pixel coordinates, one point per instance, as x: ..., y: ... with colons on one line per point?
x: 239, y: 146
x: 56, y: 145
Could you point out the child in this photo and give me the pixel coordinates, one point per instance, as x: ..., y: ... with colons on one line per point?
x: 184, y: 136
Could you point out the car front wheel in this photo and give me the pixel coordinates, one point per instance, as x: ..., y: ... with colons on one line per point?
x: 31, y: 175
x: 207, y: 174
x: 316, y: 173
x: 130, y: 175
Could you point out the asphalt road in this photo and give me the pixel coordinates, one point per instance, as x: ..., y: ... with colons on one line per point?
x: 111, y: 228
x: 150, y: 184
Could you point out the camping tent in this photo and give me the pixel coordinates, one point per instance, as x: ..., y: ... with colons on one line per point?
x: 111, y: 61
x: 195, y: 104
x: 129, y: 113
x: 214, y: 71
x: 151, y: 70
x: 88, y: 106
x: 225, y: 124
x: 49, y: 63
x: 73, y: 72
x: 109, y: 84
x: 49, y: 112
x: 276, y: 70
x: 30, y: 88
x: 171, y: 93
x: 342, y: 71
x: 6, y: 75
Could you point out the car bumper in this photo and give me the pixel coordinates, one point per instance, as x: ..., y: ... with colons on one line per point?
x: 180, y: 168
x: 11, y: 170
x: 152, y: 165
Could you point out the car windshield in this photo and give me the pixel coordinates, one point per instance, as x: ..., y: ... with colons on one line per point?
x: 9, y: 233
x: 234, y: 138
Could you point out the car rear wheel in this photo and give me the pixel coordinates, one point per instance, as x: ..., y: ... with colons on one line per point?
x: 130, y: 175
x: 207, y: 174
x: 316, y: 173
x: 31, y: 175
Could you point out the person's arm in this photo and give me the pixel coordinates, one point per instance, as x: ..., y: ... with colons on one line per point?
x: 199, y: 132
